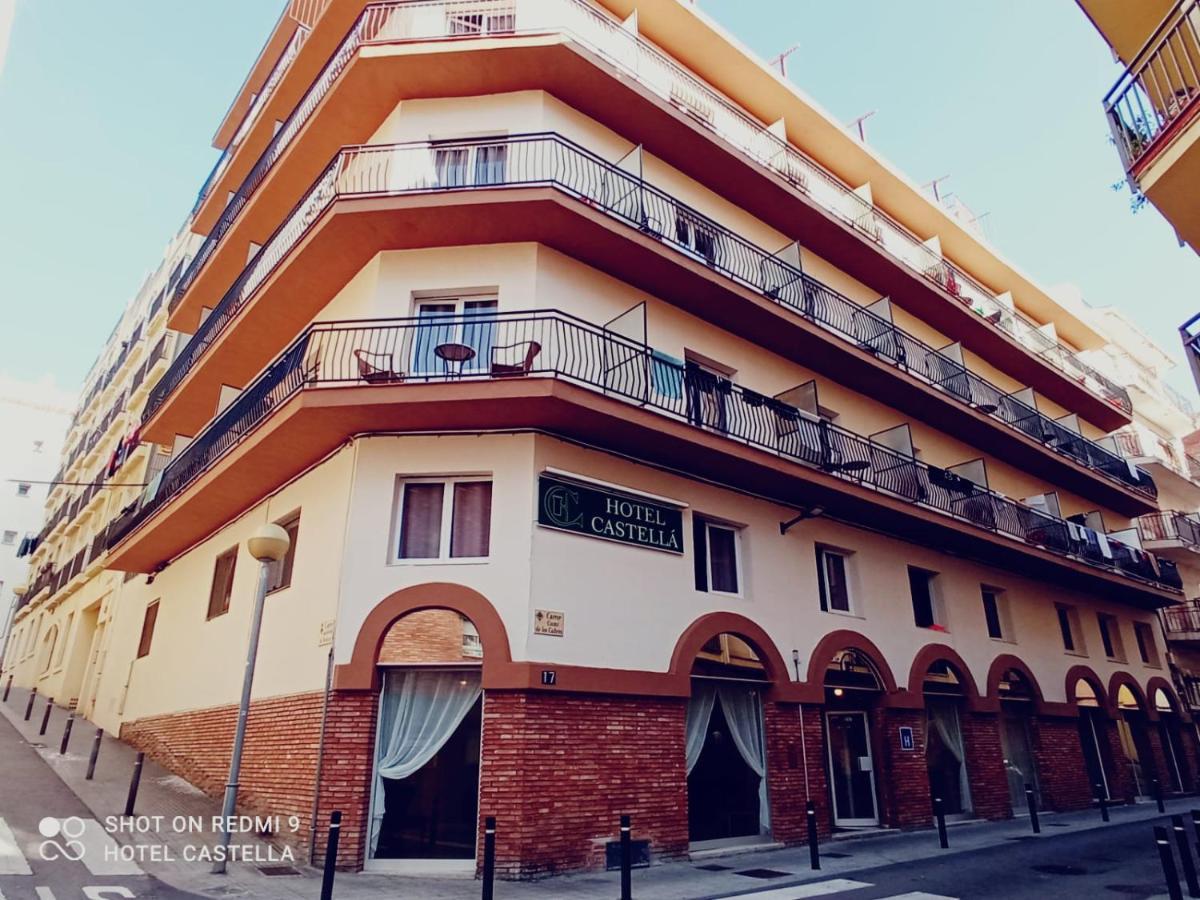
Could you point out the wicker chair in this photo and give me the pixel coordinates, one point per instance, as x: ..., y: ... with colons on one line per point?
x: 376, y: 368
x: 515, y: 359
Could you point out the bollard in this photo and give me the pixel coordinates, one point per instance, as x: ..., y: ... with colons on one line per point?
x: 95, y: 754
x: 814, y: 852
x: 1103, y: 800
x: 331, y: 851
x: 1196, y: 829
x: 7, y: 688
x: 29, y: 705
x: 626, y: 860
x: 1168, y: 862
x: 489, y: 857
x: 1158, y: 794
x: 1031, y: 802
x: 1185, y: 856
x: 131, y: 798
x: 66, y: 738
x: 943, y: 838
x: 46, y: 717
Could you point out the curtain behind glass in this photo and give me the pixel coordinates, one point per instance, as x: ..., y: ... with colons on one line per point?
x: 743, y: 713
x: 419, y: 712
x: 421, y: 521
x: 944, y: 718
x: 722, y: 553
x: 470, y: 528
x: 699, y: 712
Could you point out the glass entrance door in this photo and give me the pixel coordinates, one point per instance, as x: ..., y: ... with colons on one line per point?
x: 852, y: 768
x: 1017, y: 747
x: 1090, y: 730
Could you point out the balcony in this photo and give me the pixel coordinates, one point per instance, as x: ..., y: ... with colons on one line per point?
x: 690, y: 101
x: 1170, y: 529
x: 1172, y: 462
x: 1182, y: 622
x: 468, y: 167
x: 552, y: 372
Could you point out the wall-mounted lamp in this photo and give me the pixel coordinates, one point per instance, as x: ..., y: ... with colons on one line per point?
x: 838, y: 692
x: 810, y: 512
x: 796, y: 663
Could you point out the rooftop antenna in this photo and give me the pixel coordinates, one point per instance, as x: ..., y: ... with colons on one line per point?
x: 860, y: 125
x: 934, y: 186
x: 781, y: 59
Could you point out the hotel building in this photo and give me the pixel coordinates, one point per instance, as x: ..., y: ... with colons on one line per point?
x: 647, y: 445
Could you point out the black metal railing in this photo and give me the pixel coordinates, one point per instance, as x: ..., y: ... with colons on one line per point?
x: 1170, y: 525
x: 1181, y: 619
x: 406, y: 20
x: 550, y: 159
x: 550, y: 343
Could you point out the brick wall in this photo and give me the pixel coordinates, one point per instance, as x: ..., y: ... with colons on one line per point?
x: 1120, y: 777
x: 425, y: 636
x: 786, y: 750
x: 346, y: 774
x: 901, y: 776
x: 985, y: 765
x: 1058, y: 755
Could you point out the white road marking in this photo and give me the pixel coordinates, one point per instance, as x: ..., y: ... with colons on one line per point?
x: 918, y: 895
x: 12, y: 860
x: 102, y: 853
x: 800, y: 891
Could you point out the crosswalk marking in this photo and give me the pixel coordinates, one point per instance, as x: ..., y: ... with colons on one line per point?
x: 102, y: 853
x: 800, y: 891
x: 12, y: 860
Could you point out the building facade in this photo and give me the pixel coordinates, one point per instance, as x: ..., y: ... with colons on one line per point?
x: 647, y: 446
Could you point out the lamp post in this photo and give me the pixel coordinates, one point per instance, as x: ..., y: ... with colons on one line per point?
x: 269, y: 544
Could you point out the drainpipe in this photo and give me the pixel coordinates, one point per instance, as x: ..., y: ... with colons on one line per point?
x: 803, y: 740
x: 312, y: 835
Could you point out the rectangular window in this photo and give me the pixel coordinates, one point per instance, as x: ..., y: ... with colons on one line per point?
x: 716, y: 549
x: 23, y: 489
x: 1147, y: 648
x: 991, y: 613
x: 455, y: 336
x: 1110, y: 636
x: 147, y: 630
x: 445, y: 519
x: 222, y: 583
x: 831, y: 579
x: 9, y: 538
x: 1065, y: 628
x: 281, y: 571
x: 920, y: 585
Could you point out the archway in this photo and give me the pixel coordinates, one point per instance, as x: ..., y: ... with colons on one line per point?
x: 1177, y: 776
x: 1018, y: 694
x: 1133, y: 731
x: 854, y: 684
x: 944, y: 687
x: 726, y: 745
x: 1083, y: 689
x: 425, y: 780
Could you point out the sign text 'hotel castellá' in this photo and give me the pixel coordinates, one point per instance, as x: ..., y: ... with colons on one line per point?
x: 597, y: 512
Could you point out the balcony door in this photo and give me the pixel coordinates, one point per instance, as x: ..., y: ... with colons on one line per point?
x: 445, y: 328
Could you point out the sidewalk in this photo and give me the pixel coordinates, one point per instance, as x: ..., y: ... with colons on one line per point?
x: 162, y: 794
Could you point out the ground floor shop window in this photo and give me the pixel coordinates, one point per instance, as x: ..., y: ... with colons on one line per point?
x: 1092, y: 737
x: 945, y: 750
x: 1016, y: 737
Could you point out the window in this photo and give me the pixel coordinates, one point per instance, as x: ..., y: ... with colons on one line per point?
x: 470, y: 165
x: 38, y: 446
x: 23, y: 489
x: 991, y: 613
x: 472, y: 645
x: 147, y: 630
x: 1110, y: 636
x: 281, y: 571
x: 716, y: 548
x: 448, y: 323
x: 831, y: 579
x: 920, y: 585
x: 9, y: 538
x: 1068, y: 627
x: 1147, y: 648
x: 222, y: 583
x: 445, y: 519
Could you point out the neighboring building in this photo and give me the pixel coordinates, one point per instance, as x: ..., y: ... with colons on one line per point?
x: 1152, y: 109
x: 640, y: 453
x: 35, y: 417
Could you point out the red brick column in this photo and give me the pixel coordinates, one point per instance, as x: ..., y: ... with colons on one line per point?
x: 786, y: 751
x: 1058, y: 755
x: 1191, y: 756
x: 1157, y: 766
x: 985, y: 766
x: 901, y: 776
x: 346, y: 769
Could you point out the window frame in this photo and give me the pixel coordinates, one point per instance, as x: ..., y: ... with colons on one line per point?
x: 1069, y: 627
x: 1000, y: 605
x: 146, y: 637
x: 232, y: 555
x: 701, y: 521
x: 823, y: 595
x: 6, y: 540
x: 458, y: 324
x: 23, y: 488
x: 1111, y: 641
x: 286, y: 566
x: 444, y: 537
x: 935, y: 611
x: 1143, y: 636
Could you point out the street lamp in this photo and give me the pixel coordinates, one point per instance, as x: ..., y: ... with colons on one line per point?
x: 269, y: 544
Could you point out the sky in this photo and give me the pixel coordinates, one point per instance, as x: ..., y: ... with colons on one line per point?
x: 107, y: 113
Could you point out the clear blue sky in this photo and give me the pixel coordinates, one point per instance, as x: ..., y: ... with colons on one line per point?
x: 107, y: 111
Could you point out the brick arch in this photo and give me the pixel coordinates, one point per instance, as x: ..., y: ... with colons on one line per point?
x: 1124, y: 678
x: 835, y: 641
x: 361, y: 673
x: 924, y: 660
x: 1003, y: 663
x: 1157, y: 683
x: 1085, y: 672
x: 709, y: 626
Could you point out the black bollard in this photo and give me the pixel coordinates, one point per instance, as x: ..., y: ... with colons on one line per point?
x: 66, y: 738
x: 1158, y: 794
x: 489, y: 857
x: 95, y: 754
x: 1185, y: 856
x: 1031, y: 802
x: 1196, y: 829
x: 814, y: 852
x: 7, y: 688
x: 1103, y: 800
x: 626, y: 859
x: 29, y: 705
x: 46, y: 717
x: 331, y: 851
x: 1168, y: 862
x: 943, y: 838
x: 131, y: 798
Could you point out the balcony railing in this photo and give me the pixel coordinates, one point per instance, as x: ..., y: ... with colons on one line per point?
x: 396, y: 22
x: 555, y: 344
x: 1182, y: 619
x: 552, y: 160
x: 1135, y: 445
x: 1170, y: 526
x: 1159, y: 88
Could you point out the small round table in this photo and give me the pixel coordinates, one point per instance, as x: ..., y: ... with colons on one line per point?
x: 454, y: 357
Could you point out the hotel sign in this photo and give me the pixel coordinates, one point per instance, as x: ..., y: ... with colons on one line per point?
x: 608, y: 515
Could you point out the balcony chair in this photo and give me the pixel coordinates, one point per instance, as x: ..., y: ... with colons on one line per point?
x: 376, y: 368
x: 514, y: 359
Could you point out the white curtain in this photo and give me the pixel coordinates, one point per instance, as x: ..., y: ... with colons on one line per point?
x: 699, y: 712
x: 419, y: 712
x: 944, y: 719
x: 743, y: 713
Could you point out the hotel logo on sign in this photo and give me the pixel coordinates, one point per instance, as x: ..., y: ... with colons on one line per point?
x: 604, y: 514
